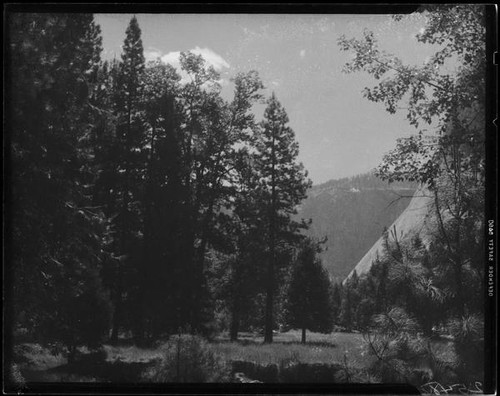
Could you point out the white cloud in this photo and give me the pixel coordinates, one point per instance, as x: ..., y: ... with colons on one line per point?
x: 302, y: 53
x: 151, y: 54
x: 211, y: 57
x: 172, y: 58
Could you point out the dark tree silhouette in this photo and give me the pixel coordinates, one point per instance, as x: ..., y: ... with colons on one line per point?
x: 283, y: 185
x: 56, y: 232
x: 308, y: 300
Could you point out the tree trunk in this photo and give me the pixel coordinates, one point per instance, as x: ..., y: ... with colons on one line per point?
x: 118, y: 311
x: 124, y: 234
x: 116, y: 327
x: 268, y: 332
x: 188, y: 317
x: 148, y: 270
x: 458, y: 271
x: 235, y: 324
x: 139, y: 327
x: 460, y: 301
x: 199, y: 268
x: 71, y: 354
x: 303, y: 335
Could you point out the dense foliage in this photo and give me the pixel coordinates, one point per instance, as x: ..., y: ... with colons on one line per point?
x: 188, y: 358
x: 56, y: 231
x: 308, y: 295
x: 141, y: 202
x: 439, y: 284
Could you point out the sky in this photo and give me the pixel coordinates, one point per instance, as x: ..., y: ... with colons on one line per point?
x: 340, y: 133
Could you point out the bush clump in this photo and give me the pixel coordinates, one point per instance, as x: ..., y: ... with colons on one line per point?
x: 16, y: 378
x: 188, y: 358
x: 396, y: 347
x: 468, y: 340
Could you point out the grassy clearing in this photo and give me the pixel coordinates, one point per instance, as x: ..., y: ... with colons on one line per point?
x: 127, y: 362
x: 131, y: 354
x: 320, y: 348
x: 36, y: 357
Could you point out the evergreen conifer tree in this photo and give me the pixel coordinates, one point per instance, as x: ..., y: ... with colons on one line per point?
x: 308, y: 302
x: 130, y: 169
x: 283, y: 186
x: 56, y: 232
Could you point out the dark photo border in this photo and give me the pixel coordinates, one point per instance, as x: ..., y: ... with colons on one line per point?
x: 491, y: 209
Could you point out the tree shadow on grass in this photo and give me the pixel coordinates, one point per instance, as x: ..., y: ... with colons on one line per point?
x: 324, y: 344
x: 246, y: 342
x: 91, y: 371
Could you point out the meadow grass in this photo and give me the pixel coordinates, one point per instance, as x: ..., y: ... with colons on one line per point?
x: 320, y: 348
x: 37, y: 357
x: 131, y: 354
x: 345, y: 349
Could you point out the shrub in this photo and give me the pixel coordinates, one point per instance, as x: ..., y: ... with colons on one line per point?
x: 310, y: 373
x: 396, y: 347
x: 188, y: 358
x: 16, y: 378
x: 83, y: 320
x: 468, y: 343
x: 93, y: 357
x: 268, y: 373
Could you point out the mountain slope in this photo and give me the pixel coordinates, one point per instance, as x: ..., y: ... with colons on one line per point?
x: 352, y: 213
x: 416, y: 219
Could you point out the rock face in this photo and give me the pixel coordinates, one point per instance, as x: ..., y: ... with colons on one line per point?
x: 352, y: 213
x: 417, y: 219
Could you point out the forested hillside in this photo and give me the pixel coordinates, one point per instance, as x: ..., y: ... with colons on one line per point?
x: 352, y: 213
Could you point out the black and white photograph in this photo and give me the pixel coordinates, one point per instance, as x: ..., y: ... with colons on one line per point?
x: 248, y: 199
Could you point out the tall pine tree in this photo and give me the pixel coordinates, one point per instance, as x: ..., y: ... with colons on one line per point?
x: 130, y: 169
x: 162, y: 200
x: 56, y: 233
x: 283, y: 185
